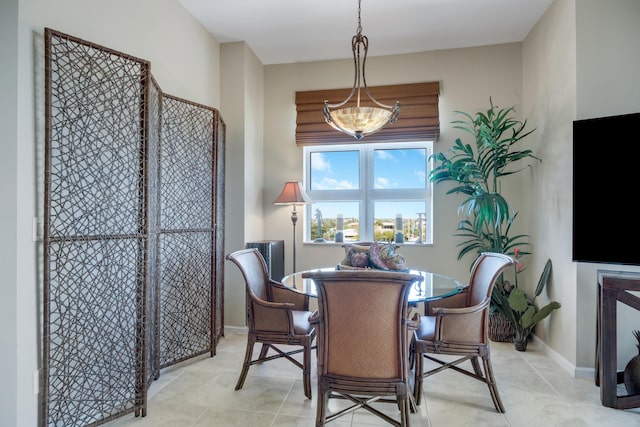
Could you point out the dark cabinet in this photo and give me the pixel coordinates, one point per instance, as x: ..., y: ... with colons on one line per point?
x: 613, y: 287
x: 273, y: 253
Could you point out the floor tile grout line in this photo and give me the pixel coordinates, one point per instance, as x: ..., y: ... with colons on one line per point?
x: 193, y: 424
x: 286, y: 396
x: 542, y: 377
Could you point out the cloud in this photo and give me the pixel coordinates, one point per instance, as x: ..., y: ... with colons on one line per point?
x: 382, y: 183
x: 327, y: 183
x: 319, y: 163
x: 385, y: 155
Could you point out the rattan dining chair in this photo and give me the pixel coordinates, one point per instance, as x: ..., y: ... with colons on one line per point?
x: 362, y: 325
x: 277, y: 316
x: 459, y: 326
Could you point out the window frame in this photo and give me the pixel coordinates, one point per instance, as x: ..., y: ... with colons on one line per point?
x: 367, y: 195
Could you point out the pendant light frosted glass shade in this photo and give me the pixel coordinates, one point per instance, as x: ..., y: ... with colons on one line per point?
x: 361, y: 121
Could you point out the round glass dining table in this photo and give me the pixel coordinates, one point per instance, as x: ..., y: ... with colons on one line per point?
x: 433, y: 287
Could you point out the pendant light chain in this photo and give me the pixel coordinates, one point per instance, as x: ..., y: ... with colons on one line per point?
x: 358, y: 40
x: 359, y: 29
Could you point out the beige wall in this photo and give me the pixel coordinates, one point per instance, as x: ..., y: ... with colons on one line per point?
x: 549, y: 93
x: 243, y: 101
x: 184, y: 58
x: 9, y: 358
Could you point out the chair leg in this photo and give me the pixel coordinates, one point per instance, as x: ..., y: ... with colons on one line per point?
x: 321, y: 410
x: 491, y: 382
x: 404, y: 412
x: 306, y: 370
x: 412, y: 353
x: 476, y: 366
x: 417, y: 383
x: 263, y: 351
x: 247, y: 362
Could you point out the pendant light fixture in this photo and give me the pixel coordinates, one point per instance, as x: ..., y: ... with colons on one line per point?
x: 360, y: 121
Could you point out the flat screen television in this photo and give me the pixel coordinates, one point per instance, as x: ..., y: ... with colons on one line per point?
x: 606, y: 190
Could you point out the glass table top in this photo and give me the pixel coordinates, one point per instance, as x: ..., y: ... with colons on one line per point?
x: 433, y: 287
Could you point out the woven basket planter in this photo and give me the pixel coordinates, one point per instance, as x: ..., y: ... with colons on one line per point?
x: 500, y: 329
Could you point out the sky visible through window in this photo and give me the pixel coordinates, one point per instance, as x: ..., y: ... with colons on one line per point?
x: 334, y: 170
x: 393, y: 169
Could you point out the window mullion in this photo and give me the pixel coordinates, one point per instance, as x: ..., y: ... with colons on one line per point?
x: 366, y: 204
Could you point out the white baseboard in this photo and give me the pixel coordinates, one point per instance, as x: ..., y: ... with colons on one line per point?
x: 570, y: 368
x: 586, y: 373
x: 242, y: 330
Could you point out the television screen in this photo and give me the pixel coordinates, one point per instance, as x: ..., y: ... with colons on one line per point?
x: 606, y: 190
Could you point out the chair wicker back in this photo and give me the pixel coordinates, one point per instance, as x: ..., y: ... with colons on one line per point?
x: 255, y: 272
x: 362, y: 341
x: 484, y: 273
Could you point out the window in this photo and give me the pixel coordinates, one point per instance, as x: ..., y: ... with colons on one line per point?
x: 368, y: 192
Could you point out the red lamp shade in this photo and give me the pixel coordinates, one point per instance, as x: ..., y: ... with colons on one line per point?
x: 292, y: 194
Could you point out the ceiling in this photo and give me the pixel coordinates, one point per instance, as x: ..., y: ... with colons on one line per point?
x: 285, y: 31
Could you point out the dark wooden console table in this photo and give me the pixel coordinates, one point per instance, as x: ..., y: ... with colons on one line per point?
x: 613, y: 287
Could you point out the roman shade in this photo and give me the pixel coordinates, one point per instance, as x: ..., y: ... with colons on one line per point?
x: 418, y: 120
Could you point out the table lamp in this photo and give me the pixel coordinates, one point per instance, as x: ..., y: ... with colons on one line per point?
x: 293, y: 194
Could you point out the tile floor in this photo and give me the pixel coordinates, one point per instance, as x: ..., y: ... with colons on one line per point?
x: 534, y: 389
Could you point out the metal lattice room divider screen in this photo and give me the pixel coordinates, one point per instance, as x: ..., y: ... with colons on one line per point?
x: 133, y: 241
x: 186, y: 239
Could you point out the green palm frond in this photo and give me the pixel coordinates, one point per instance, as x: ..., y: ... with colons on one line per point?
x: 475, y: 170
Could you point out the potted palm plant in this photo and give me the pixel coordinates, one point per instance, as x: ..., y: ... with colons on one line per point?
x: 477, y: 169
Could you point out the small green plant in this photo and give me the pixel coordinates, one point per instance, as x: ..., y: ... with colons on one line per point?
x: 519, y: 309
